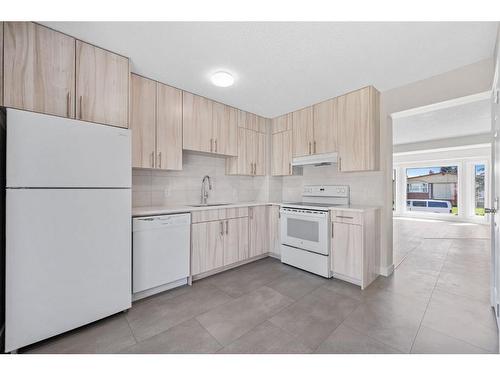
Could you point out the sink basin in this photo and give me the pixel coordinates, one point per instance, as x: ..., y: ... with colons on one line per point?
x: 209, y: 204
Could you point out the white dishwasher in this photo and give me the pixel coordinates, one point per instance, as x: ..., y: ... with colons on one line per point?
x: 160, y: 248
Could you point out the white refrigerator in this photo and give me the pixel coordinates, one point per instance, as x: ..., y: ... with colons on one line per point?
x: 68, y: 225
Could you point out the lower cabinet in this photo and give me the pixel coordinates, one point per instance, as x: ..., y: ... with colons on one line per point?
x: 258, y: 218
x: 274, y: 230
x: 219, y: 237
x: 235, y: 240
x: 355, y: 247
x: 207, y: 246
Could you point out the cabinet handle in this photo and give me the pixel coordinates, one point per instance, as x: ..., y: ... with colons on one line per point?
x: 227, y: 226
x: 152, y: 159
x: 340, y: 164
x: 289, y: 168
x: 254, y: 168
x: 68, y: 104
x: 332, y: 229
x: 221, y: 228
x: 250, y: 212
x: 211, y: 144
x: 81, y: 107
x: 309, y: 148
x: 215, y: 144
x: 159, y: 158
x: 314, y: 146
x: 344, y: 217
x: 251, y: 168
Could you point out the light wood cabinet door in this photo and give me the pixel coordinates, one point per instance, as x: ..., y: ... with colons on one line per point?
x: 207, y: 246
x: 143, y: 121
x: 197, y: 123
x: 263, y: 124
x: 303, y: 138
x: 102, y: 85
x: 38, y: 69
x: 281, y: 164
x: 358, y: 130
x: 248, y: 120
x: 260, y: 153
x: 258, y: 230
x: 274, y: 230
x: 169, y: 128
x: 347, y: 250
x: 235, y: 240
x: 225, y: 129
x: 243, y: 164
x: 282, y: 123
x: 325, y: 127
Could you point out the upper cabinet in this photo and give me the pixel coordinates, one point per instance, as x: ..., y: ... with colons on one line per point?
x: 102, y: 85
x: 253, y: 122
x: 225, y: 129
x: 197, y: 123
x: 252, y: 154
x: 39, y: 69
x: 325, y: 126
x: 143, y: 121
x: 281, y: 163
x: 359, y: 130
x: 209, y: 126
x: 348, y: 125
x: 169, y: 127
x: 282, y: 123
x: 156, y: 124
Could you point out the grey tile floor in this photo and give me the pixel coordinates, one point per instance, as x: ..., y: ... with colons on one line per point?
x: 435, y: 302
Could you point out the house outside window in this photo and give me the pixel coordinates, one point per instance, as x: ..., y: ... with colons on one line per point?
x: 419, y: 187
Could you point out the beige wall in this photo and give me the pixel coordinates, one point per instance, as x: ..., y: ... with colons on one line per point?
x: 467, y: 80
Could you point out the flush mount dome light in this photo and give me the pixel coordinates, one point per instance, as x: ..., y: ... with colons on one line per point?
x: 222, y: 79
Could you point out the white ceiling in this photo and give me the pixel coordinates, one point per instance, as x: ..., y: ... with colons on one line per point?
x: 456, y: 121
x: 281, y: 67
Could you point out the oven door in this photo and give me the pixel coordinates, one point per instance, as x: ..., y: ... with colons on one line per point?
x: 305, y: 229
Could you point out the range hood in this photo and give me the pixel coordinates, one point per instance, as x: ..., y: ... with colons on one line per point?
x: 316, y: 160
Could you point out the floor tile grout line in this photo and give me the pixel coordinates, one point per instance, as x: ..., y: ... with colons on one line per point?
x: 373, y: 338
x: 458, y: 339
x: 430, y: 299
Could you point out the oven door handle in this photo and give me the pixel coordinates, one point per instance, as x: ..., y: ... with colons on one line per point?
x: 304, y: 214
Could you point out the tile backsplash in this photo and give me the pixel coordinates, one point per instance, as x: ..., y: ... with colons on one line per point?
x: 156, y: 188
x: 152, y: 187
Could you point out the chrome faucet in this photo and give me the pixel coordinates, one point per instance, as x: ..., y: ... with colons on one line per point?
x: 204, y: 191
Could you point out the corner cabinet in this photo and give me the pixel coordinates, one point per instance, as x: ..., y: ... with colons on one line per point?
x: 355, y: 246
x: 156, y: 124
x: 258, y: 219
x: 359, y: 130
x: 281, y: 162
x: 38, y: 69
x: 102, y: 85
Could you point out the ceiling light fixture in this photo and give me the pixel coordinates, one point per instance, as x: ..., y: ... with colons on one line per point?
x: 222, y: 79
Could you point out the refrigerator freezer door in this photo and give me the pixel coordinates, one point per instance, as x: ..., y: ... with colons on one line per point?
x: 68, y: 260
x: 49, y: 151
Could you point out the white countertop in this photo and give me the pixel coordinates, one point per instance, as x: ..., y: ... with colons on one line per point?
x: 165, y: 210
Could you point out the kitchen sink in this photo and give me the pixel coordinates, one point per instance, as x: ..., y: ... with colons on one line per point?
x: 208, y: 204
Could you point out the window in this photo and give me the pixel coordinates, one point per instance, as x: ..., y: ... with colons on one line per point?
x: 418, y: 188
x: 437, y: 183
x: 479, y: 191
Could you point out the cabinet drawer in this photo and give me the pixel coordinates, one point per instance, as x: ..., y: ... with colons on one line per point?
x: 348, y: 217
x: 219, y: 214
x: 232, y: 213
x: 207, y: 215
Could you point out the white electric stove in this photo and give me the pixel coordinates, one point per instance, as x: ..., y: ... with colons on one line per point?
x: 305, y: 229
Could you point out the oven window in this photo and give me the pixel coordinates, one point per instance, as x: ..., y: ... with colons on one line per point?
x: 303, y: 229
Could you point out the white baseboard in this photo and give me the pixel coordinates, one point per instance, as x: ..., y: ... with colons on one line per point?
x: 273, y: 255
x: 386, y: 271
